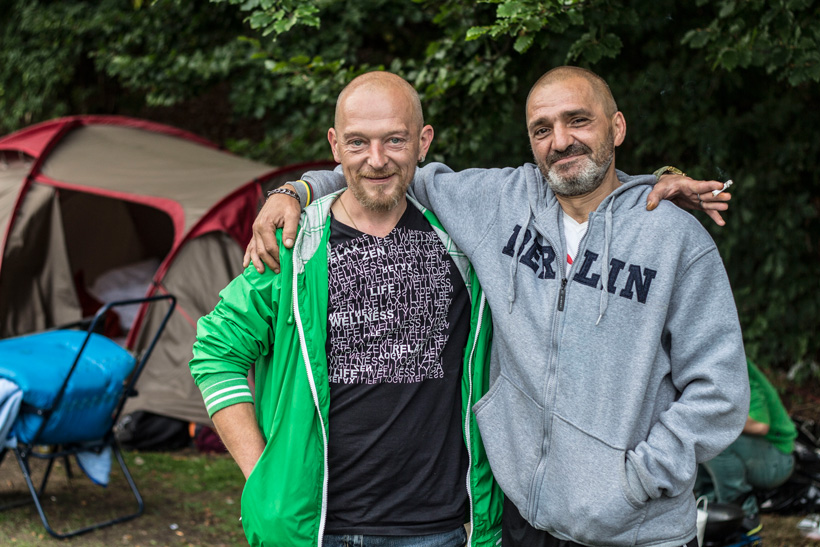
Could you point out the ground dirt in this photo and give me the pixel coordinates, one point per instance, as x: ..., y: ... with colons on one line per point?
x: 174, y: 514
x: 174, y: 517
x: 193, y: 499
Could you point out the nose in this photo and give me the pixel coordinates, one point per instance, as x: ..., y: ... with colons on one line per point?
x: 561, y: 137
x: 377, y: 158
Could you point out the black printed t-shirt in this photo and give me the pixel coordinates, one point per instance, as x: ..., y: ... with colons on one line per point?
x: 398, y: 321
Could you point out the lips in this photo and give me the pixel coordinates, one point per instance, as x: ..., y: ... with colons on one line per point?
x: 566, y: 159
x: 376, y: 177
x: 572, y: 152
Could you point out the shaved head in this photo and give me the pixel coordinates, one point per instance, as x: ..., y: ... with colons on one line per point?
x: 379, y: 137
x: 599, y: 86
x: 381, y: 81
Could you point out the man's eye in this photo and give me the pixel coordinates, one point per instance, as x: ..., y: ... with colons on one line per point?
x: 396, y: 140
x: 578, y: 121
x: 357, y: 142
x: 541, y: 132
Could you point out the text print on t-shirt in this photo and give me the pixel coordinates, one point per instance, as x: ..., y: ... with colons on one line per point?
x: 388, y: 308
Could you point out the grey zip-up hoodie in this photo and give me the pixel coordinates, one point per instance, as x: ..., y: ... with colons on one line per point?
x: 611, y: 383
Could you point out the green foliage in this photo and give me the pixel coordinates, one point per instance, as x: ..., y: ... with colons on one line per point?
x: 722, y: 88
x: 781, y: 36
x: 73, y: 57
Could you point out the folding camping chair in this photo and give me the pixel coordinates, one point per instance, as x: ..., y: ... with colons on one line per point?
x: 74, y: 384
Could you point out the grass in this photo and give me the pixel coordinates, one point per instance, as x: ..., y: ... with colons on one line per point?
x: 191, y: 499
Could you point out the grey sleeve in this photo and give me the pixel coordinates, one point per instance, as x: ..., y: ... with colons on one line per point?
x: 709, y: 369
x: 465, y: 201
x: 319, y: 183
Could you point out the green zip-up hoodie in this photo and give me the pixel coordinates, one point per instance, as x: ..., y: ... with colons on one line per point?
x: 278, y: 322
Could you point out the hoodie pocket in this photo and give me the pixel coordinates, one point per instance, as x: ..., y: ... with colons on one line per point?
x: 249, y: 500
x: 584, y: 493
x: 512, y: 432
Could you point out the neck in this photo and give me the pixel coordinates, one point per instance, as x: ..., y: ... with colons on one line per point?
x: 579, y: 207
x: 349, y: 211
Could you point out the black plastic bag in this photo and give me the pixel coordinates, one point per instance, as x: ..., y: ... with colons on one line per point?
x: 142, y: 430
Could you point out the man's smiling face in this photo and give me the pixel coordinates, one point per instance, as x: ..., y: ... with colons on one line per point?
x: 377, y: 141
x: 572, y: 137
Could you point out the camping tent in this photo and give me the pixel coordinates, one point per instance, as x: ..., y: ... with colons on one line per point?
x: 86, y: 200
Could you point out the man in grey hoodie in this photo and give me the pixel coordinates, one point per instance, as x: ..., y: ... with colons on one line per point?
x: 617, y: 352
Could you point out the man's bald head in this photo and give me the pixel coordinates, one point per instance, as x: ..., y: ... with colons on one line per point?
x: 382, y: 81
x: 598, y: 85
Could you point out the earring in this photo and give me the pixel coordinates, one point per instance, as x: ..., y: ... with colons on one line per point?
x: 421, y: 159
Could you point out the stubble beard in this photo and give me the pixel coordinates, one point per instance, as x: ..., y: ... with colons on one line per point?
x: 590, y: 175
x: 378, y: 201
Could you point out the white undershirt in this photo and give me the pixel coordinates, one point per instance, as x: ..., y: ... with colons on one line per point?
x: 573, y: 233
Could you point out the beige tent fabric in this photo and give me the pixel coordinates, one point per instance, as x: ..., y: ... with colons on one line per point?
x: 13, y: 170
x: 36, y: 288
x: 122, y: 159
x: 204, y: 267
x: 160, y: 187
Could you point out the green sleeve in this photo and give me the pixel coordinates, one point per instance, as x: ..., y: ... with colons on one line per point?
x: 233, y: 336
x: 758, y: 407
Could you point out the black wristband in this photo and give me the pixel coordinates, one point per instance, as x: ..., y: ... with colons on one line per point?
x: 287, y: 192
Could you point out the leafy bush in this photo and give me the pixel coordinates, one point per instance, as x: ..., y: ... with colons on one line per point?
x: 721, y: 88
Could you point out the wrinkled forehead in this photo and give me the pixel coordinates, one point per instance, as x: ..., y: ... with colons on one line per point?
x: 572, y: 92
x: 566, y: 95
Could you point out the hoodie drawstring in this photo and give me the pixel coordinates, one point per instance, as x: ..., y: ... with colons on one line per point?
x: 605, y: 262
x: 519, y: 241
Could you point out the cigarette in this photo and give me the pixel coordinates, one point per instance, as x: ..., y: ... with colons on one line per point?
x: 726, y: 185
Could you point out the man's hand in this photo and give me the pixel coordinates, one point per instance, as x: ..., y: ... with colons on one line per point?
x: 279, y: 211
x: 691, y: 194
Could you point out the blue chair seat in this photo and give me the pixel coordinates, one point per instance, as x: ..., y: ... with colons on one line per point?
x: 39, y: 363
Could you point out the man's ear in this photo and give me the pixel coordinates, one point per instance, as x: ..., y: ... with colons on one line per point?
x: 331, y: 138
x: 618, y: 128
x: 426, y: 139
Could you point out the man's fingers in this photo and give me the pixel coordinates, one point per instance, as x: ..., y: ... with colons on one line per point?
x: 681, y: 187
x: 269, y: 250
x: 702, y: 187
x: 715, y: 215
x: 253, y: 249
x: 712, y: 205
x: 247, y: 258
x: 691, y: 194
x: 291, y: 223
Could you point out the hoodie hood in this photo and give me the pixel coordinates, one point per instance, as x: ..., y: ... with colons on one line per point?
x: 543, y: 203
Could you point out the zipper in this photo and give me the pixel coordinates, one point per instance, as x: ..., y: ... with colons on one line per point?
x: 551, y: 371
x: 540, y: 469
x: 314, y: 393
x: 468, y: 416
x: 562, y: 294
